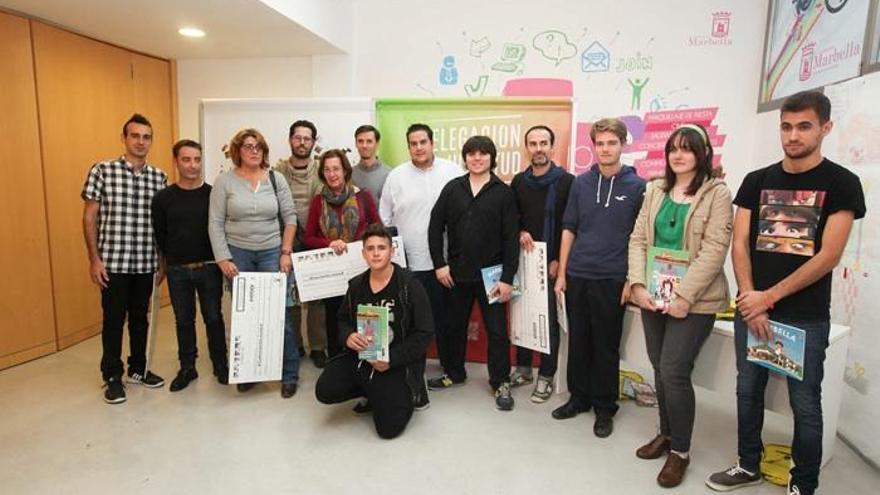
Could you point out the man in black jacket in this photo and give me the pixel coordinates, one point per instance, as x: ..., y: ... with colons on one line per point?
x: 478, y: 214
x: 541, y: 195
x: 392, y: 388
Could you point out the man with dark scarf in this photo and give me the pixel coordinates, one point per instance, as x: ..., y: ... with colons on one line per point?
x: 541, y: 195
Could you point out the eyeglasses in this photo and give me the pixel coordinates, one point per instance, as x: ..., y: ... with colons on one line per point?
x: 252, y: 148
x: 301, y: 139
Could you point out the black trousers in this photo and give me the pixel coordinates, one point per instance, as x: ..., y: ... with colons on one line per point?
x: 183, y: 285
x: 346, y: 377
x: 126, y: 295
x: 455, y: 341
x: 331, y: 321
x: 438, y: 296
x: 595, y: 319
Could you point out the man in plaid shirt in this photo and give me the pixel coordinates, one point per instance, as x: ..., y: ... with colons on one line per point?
x: 119, y: 238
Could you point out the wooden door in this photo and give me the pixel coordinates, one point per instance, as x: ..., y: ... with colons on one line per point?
x: 85, y: 92
x: 27, y: 326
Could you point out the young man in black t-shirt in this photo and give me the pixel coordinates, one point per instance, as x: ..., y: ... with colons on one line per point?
x: 180, y: 223
x: 541, y: 196
x: 394, y: 388
x: 792, y: 222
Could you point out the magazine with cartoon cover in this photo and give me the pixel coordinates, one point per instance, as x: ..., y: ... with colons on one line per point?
x: 372, y: 324
x: 491, y: 277
x: 666, y: 269
x: 783, y: 354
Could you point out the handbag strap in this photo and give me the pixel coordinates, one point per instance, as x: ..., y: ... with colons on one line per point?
x: 277, y: 200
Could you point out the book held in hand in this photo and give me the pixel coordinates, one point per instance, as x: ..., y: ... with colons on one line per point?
x: 491, y: 277
x: 666, y: 269
x: 783, y: 354
x: 372, y: 324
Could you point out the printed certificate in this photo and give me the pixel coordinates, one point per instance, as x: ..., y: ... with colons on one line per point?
x: 256, y: 340
x: 529, y: 313
x: 321, y: 273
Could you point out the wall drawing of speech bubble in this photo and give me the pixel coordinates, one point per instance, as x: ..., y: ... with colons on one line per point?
x: 554, y: 45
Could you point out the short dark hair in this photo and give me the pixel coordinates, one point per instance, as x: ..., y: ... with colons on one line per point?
x: 694, y: 138
x: 541, y: 127
x: 479, y: 143
x: 367, y: 128
x: 420, y: 127
x: 306, y: 124
x: 135, y: 118
x: 808, y: 100
x: 189, y: 143
x: 377, y: 230
x: 334, y: 153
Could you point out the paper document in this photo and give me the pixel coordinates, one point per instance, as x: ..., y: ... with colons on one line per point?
x: 529, y: 313
x: 256, y: 340
x: 321, y: 273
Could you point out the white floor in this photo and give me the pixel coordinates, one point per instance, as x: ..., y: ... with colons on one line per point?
x: 58, y: 436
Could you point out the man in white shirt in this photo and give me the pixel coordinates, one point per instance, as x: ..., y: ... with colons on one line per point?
x: 408, y: 196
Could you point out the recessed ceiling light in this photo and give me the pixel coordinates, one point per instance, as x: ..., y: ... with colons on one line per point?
x: 191, y: 32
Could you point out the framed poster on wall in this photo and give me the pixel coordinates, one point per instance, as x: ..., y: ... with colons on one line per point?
x: 811, y: 43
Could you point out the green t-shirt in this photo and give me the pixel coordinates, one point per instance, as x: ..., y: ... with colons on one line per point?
x: 669, y: 224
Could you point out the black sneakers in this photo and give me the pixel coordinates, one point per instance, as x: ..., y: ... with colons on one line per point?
x: 183, y: 378
x: 733, y: 478
x: 114, y: 391
x: 443, y: 381
x: 503, y: 399
x: 151, y: 380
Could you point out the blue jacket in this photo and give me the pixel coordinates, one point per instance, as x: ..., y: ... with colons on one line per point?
x: 601, y: 213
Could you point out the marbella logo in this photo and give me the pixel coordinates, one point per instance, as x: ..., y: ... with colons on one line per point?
x: 814, y: 60
x: 718, y: 35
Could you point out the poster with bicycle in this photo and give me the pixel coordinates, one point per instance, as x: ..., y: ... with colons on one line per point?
x: 811, y: 43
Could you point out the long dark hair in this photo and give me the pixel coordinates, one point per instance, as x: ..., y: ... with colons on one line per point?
x: 694, y: 138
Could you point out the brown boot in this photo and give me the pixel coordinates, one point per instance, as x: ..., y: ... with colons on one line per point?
x: 654, y: 449
x: 673, y: 471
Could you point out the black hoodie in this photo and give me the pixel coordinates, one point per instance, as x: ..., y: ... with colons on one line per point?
x: 412, y: 322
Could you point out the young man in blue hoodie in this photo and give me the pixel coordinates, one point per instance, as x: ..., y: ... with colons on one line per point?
x: 602, y: 208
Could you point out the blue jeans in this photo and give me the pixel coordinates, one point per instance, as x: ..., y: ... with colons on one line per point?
x: 804, y: 396
x: 266, y: 260
x: 183, y: 284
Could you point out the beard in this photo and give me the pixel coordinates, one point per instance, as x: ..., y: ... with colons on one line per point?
x: 540, y: 160
x: 803, y: 152
x: 301, y: 153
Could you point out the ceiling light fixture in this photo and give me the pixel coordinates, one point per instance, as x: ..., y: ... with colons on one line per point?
x: 191, y: 32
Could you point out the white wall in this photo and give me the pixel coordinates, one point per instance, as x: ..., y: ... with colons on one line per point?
x: 399, y: 47
x: 237, y: 78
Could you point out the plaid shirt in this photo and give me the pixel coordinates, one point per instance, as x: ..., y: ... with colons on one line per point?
x: 125, y: 230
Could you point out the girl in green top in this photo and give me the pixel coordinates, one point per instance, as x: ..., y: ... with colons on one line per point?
x: 691, y: 211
